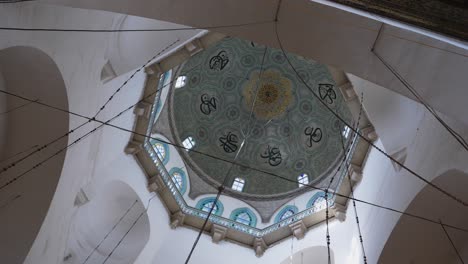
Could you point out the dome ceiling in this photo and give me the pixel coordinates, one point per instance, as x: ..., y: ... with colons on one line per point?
x: 229, y: 100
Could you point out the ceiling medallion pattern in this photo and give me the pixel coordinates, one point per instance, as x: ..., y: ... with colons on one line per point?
x: 268, y: 93
x: 231, y: 99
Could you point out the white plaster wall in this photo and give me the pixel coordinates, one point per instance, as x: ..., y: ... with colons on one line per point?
x: 99, y: 158
x: 396, y: 118
x: 109, y: 214
x: 128, y: 50
x: 327, y: 35
x: 79, y: 57
x: 32, y: 74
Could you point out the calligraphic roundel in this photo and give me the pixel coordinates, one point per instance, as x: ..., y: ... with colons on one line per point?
x: 263, y: 114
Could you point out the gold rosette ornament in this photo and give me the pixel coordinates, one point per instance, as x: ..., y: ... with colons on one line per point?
x: 270, y: 96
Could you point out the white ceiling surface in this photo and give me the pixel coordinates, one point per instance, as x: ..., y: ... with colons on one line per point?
x: 395, y: 118
x: 99, y: 159
x: 326, y: 34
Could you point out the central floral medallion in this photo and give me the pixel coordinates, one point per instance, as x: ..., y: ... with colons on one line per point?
x: 269, y: 93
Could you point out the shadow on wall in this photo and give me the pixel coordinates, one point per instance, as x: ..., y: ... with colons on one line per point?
x: 416, y: 241
x: 24, y: 204
x: 316, y: 255
x: 101, y: 222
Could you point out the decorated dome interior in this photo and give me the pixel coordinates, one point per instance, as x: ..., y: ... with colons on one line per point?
x: 243, y: 102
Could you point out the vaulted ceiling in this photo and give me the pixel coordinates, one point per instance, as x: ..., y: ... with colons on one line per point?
x: 244, y: 98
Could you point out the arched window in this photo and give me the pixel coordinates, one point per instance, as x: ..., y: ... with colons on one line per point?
x: 303, y: 179
x: 317, y: 201
x: 181, y: 81
x: 179, y: 178
x: 207, y: 207
x: 238, y: 184
x: 188, y: 143
x: 244, y: 216
x: 320, y: 204
x: 207, y: 203
x: 161, y: 149
x: 286, y: 212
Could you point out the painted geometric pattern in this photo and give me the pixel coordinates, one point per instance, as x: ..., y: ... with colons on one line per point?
x: 230, y: 98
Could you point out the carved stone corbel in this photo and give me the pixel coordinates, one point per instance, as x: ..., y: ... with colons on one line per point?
x: 339, y: 211
x: 194, y: 47
x: 259, y: 246
x: 177, y: 219
x: 218, y: 233
x: 298, y: 229
x: 143, y: 109
x: 369, y: 133
x: 154, y: 69
x: 355, y: 173
x: 133, y: 147
x: 348, y: 91
x: 155, y: 184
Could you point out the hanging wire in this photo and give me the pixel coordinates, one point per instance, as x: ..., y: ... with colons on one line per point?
x: 110, y: 231
x: 259, y: 83
x: 16, y: 162
x: 292, y: 241
x: 260, y: 170
x: 351, y: 188
x: 327, y: 217
x: 106, y: 123
x: 414, y: 92
x: 451, y: 242
x: 18, y: 107
x: 18, y: 153
x: 130, y: 229
x: 220, y: 190
x: 377, y: 18
x: 134, y: 30
x: 459, y: 138
x: 268, y: 173
x: 226, y: 178
x: 443, y: 191
x: 133, y: 75
x: 373, y: 145
x: 77, y: 140
x: 14, y: 1
x: 10, y: 199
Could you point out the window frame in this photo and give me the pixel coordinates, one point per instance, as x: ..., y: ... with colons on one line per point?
x: 303, y: 180
x: 238, y: 184
x: 189, y: 143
